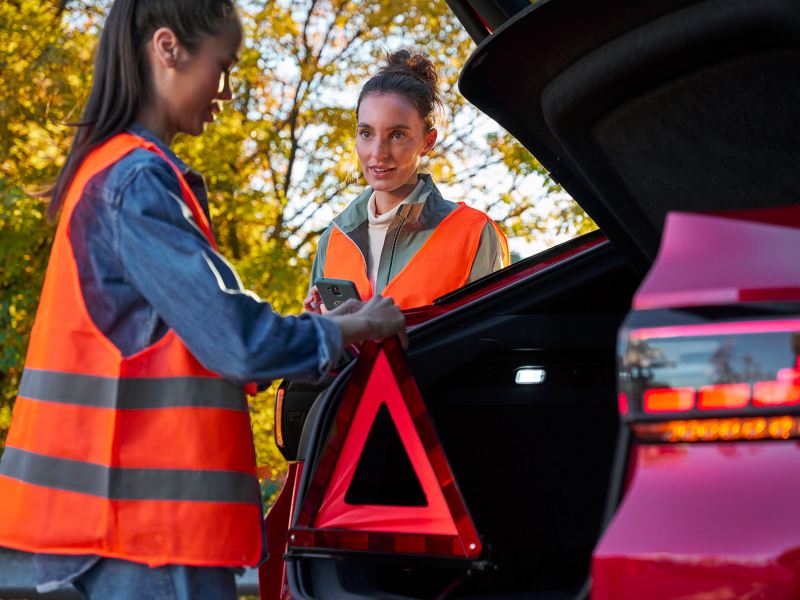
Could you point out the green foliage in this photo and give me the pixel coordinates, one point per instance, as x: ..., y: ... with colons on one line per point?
x: 43, y: 83
x: 280, y: 160
x: 26, y: 238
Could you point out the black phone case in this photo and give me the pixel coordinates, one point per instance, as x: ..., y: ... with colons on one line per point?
x: 328, y: 288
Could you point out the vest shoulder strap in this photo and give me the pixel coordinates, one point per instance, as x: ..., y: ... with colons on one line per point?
x: 344, y: 260
x: 444, y: 261
x: 113, y: 150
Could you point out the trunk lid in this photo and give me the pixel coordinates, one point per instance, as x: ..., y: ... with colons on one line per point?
x: 642, y: 108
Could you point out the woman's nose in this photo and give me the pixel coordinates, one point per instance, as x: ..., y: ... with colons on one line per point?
x: 224, y: 92
x: 380, y: 148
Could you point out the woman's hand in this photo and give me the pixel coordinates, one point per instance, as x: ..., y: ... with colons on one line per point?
x: 313, y: 303
x: 377, y: 320
x: 348, y: 307
x: 385, y: 319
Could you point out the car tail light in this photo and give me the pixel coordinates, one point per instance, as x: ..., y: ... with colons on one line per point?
x: 622, y: 403
x: 720, y: 381
x: 719, y: 430
x: 278, y: 428
x: 723, y: 395
x: 661, y: 400
x: 785, y: 391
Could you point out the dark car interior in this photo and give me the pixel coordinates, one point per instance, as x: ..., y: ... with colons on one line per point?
x: 533, y: 462
x: 637, y: 109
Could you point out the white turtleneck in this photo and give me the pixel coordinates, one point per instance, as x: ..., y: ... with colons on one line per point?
x: 378, y: 226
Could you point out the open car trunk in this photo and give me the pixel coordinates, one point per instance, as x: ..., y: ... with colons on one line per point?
x: 533, y: 462
x: 640, y: 108
x: 637, y: 109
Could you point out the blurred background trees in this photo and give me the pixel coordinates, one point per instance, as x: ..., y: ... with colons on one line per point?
x: 279, y: 161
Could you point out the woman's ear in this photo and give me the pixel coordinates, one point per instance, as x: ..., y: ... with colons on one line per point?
x: 430, y: 140
x: 166, y: 47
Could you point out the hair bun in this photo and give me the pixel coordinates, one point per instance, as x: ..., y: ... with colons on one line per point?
x: 410, y: 74
x: 415, y: 64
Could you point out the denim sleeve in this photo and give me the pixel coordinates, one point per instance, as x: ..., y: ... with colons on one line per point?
x: 198, y: 293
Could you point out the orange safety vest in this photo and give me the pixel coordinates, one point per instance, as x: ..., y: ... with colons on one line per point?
x: 147, y: 458
x: 441, y: 265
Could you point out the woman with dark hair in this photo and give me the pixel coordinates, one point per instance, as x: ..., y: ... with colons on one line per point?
x: 129, y: 466
x: 399, y: 237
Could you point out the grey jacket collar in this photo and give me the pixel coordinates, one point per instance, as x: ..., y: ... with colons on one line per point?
x: 430, y: 200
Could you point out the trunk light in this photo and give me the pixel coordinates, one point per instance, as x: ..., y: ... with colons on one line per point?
x: 661, y: 400
x: 529, y: 375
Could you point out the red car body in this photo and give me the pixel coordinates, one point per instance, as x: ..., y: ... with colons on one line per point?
x: 713, y: 518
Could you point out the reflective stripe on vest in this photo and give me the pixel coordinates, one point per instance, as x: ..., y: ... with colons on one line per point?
x: 111, y: 392
x: 441, y: 265
x: 128, y: 484
x: 147, y: 458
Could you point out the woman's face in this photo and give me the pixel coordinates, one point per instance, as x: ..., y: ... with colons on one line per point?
x: 391, y: 138
x: 205, y: 79
x: 191, y: 86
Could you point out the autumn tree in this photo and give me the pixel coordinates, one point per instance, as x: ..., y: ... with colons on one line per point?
x: 43, y: 84
x: 279, y: 161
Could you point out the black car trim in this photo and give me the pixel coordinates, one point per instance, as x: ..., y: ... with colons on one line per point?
x: 522, y: 265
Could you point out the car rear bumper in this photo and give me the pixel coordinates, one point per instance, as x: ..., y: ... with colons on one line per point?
x: 716, y: 520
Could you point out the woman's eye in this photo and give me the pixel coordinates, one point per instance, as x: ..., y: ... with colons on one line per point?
x: 398, y: 135
x: 364, y: 133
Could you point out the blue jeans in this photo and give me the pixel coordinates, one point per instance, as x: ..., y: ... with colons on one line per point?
x: 98, y: 578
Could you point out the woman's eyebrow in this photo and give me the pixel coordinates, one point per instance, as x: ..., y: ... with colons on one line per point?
x: 398, y: 126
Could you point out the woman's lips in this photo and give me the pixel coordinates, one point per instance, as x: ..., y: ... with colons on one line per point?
x: 381, y: 172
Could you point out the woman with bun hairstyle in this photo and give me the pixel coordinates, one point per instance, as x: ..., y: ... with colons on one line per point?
x: 399, y: 237
x: 129, y: 467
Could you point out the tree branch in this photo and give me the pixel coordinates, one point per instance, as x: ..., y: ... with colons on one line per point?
x: 308, y: 237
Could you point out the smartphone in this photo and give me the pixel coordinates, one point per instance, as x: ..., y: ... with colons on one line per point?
x: 335, y: 291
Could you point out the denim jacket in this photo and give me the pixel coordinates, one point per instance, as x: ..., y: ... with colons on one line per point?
x: 145, y: 267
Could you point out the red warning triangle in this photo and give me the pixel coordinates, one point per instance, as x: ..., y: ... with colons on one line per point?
x: 437, y: 525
